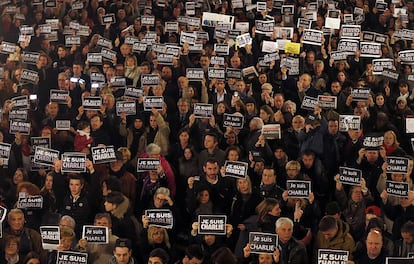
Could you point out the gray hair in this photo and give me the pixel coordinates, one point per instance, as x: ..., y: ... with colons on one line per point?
x: 162, y: 190
x: 258, y: 122
x: 291, y: 103
x: 70, y: 219
x: 284, y: 221
x: 152, y: 148
x: 14, y: 211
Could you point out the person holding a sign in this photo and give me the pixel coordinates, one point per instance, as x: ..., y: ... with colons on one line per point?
x: 333, y: 234
x: 67, y: 238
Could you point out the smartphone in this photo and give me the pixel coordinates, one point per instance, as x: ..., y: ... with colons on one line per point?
x: 236, y: 94
x: 74, y: 79
x: 33, y: 97
x: 95, y: 85
x: 81, y: 81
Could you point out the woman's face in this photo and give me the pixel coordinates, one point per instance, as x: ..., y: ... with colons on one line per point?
x: 130, y: 62
x: 66, y: 243
x: 49, y: 182
x: 275, y: 211
x: 18, y: 177
x: 184, y: 137
x: 187, y: 154
x: 221, y: 109
x: 11, y: 248
x: 158, y: 236
x: 265, y: 259
x: 298, y: 124
x: 243, y: 186
x: 292, y: 173
x: 204, y: 197
x: 279, y: 154
x: 388, y: 139
x: 341, y: 77
x: 264, y: 116
x: 379, y: 100
x: 398, y: 177
x: 233, y: 155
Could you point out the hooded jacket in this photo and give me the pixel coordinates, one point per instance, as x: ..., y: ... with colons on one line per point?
x: 122, y: 225
x: 342, y: 241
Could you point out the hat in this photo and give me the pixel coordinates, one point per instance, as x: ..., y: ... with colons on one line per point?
x: 401, y: 98
x: 375, y: 210
x: 123, y: 242
x: 332, y: 208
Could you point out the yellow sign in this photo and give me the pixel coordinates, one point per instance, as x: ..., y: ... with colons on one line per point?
x: 292, y: 47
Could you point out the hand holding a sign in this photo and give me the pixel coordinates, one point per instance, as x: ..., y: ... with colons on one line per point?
x: 190, y: 182
x: 145, y: 221
x: 89, y: 166
x: 57, y: 164
x: 338, y: 182
x: 384, y: 196
x: 297, y: 215
x: 246, y: 251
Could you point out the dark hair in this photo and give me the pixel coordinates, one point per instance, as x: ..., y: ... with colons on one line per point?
x: 161, y: 253
x: 103, y: 215
x: 113, y: 183
x: 74, y: 176
x: 31, y: 255
x: 408, y: 227
x: 83, y: 125
x: 328, y: 222
x: 115, y: 198
x: 194, y: 251
x: 223, y: 255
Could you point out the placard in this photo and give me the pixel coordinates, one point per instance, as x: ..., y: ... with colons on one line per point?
x: 30, y: 202
x: 212, y: 224
x: 94, y: 58
x: 221, y: 49
x: 399, y: 189
x: 7, y: 47
x: 347, y: 122
x: 379, y: 65
x: 212, y: 19
x: 216, y: 73
x: 330, y: 256
x: 147, y: 164
x: 309, y: 103
x: 235, y: 121
x: 19, y: 126
x: 203, y: 110
x: 249, y: 72
x: 397, y: 165
x: 406, y: 56
x: 332, y: 22
x: 215, y: 60
x: 350, y: 176
x: 43, y: 142
x: 351, y: 31
x: 292, y: 47
x: 171, y: 27
x: 4, y: 153
x: 29, y: 76
x: 71, y: 257
x: 172, y: 50
x: 360, y: 94
x: 158, y: 47
x: 262, y: 243
x: 108, y: 54
x: 30, y: 57
x: 265, y: 27
x: 3, y: 213
x: 312, y: 37
x: 187, y: 37
x: 127, y: 107
x: 269, y: 46
x: 160, y: 217
x: 327, y: 101
x: 103, y: 154
x: 156, y: 102
x: 106, y: 43
x: 272, y: 131
x: 20, y: 102
x: 391, y: 75
x: 370, y: 49
x: 72, y: 40
x: 132, y: 92
x: 348, y: 45
x: 63, y: 124
x: 50, y: 237
x: 95, y: 234
x: 397, y: 260
x: 108, y: 18
x: 73, y: 162
x: 373, y: 141
x: 92, y: 103
x: 298, y: 189
x: 45, y: 156
x: 59, y: 96
x: 194, y: 74
x: 235, y: 169
x: 411, y: 255
x: 243, y: 40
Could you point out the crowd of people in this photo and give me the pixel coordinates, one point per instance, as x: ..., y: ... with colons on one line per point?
x: 270, y: 86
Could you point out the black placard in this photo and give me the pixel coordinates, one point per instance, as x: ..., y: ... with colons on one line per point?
x: 18, y: 114
x: 373, y: 141
x: 212, y: 224
x: 92, y: 103
x: 329, y: 256
x: 5, y: 152
x: 45, y: 156
x: 95, y: 234
x: 360, y: 94
x: 262, y: 243
x: 127, y: 107
x: 29, y: 76
x: 19, y: 126
x: 147, y: 164
x: 399, y: 189
x: 194, y: 74
x: 156, y: 102
x: 59, y: 96
x: 71, y: 257
x: 397, y: 165
x: 160, y: 217
x: 350, y: 176
x: 132, y: 92
x: 50, y: 237
x: 216, y: 73
x: 272, y: 131
x: 235, y: 121
x: 298, y: 189
x: 233, y: 73
x: 30, y: 202
x: 73, y: 162
x: 312, y: 37
x: 203, y: 110
x: 150, y: 79
x: 235, y: 169
x: 347, y: 122
x: 103, y: 154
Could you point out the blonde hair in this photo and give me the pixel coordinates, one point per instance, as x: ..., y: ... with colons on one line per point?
x: 154, y: 229
x: 392, y: 133
x: 293, y: 164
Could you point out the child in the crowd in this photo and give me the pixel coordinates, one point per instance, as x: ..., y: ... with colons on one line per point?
x: 83, y: 139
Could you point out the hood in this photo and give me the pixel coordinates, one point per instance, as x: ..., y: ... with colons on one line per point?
x: 122, y: 209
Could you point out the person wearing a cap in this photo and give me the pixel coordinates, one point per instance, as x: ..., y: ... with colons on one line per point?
x: 122, y: 252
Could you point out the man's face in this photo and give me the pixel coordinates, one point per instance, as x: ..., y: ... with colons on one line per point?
x: 96, y: 123
x: 53, y: 109
x: 211, y: 169
x: 183, y: 107
x: 75, y: 187
x: 374, y: 244
x: 77, y: 69
x: 306, y: 80
x: 335, y: 87
x: 43, y: 61
x: 284, y: 232
x: 407, y: 237
x: 204, y: 61
x: 193, y: 260
x: 308, y: 161
x: 220, y: 85
x: 330, y: 234
x: 182, y: 82
x: 333, y: 127
x: 209, y: 142
x: 268, y: 177
x: 102, y: 222
x: 166, y: 73
x: 16, y: 221
x: 279, y: 101
x: 240, y: 86
x: 155, y: 260
x: 122, y: 255
x: 371, y: 155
